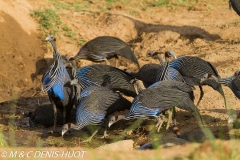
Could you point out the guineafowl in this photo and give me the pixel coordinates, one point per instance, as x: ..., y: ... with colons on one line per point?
x: 233, y: 82
x: 147, y: 73
x: 192, y: 70
x: 96, y: 104
x: 151, y: 102
x: 105, y: 75
x: 235, y: 4
x: 102, y: 48
x: 56, y: 82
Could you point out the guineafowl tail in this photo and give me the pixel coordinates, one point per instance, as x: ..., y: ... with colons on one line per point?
x: 127, y: 53
x: 235, y: 4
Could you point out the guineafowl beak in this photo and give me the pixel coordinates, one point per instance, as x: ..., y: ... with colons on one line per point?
x: 174, y: 56
x: 65, y: 128
x: 171, y: 54
x: 109, y: 124
x: 112, y: 119
x: 151, y: 53
x: 48, y: 38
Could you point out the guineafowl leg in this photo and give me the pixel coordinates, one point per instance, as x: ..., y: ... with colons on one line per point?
x: 170, y: 116
x: 117, y: 61
x: 174, y: 117
x: 90, y: 138
x: 160, y: 122
x: 74, y: 70
x: 201, y: 95
x: 55, y: 116
x: 64, y: 115
x: 105, y: 135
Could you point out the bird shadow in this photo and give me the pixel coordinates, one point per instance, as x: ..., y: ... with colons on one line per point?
x: 186, y: 31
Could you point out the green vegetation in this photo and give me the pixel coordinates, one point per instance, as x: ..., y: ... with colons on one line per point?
x: 75, y: 6
x: 48, y: 21
x: 157, y: 3
x: 3, y: 142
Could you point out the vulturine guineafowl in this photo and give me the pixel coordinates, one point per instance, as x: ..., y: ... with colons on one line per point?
x: 233, y: 82
x: 151, y: 73
x: 43, y: 115
x: 96, y: 104
x: 104, y: 47
x: 147, y: 73
x: 167, y: 72
x: 151, y: 102
x: 157, y: 55
x: 105, y: 75
x: 56, y: 82
x: 177, y: 85
x: 170, y: 84
x: 192, y: 70
x: 235, y: 4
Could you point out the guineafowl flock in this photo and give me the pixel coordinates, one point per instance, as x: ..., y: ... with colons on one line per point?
x: 95, y: 94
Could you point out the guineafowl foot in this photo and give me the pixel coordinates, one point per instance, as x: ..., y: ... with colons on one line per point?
x: 90, y: 138
x: 87, y: 140
x: 129, y: 132
x: 105, y: 135
x: 160, y: 122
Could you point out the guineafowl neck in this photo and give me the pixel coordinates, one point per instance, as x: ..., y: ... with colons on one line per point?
x: 139, y: 86
x: 55, y: 51
x: 76, y: 126
x: 121, y: 117
x: 160, y: 59
x: 224, y: 81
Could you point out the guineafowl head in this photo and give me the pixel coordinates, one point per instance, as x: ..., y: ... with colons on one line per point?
x: 51, y: 38
x: 153, y: 53
x: 237, y: 73
x: 170, y: 54
x: 65, y: 128
x: 114, y: 119
x: 69, y: 58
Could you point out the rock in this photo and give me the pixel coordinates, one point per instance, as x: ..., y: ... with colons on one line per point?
x: 125, y: 145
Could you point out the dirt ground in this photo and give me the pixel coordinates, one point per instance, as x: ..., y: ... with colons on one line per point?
x: 208, y: 30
